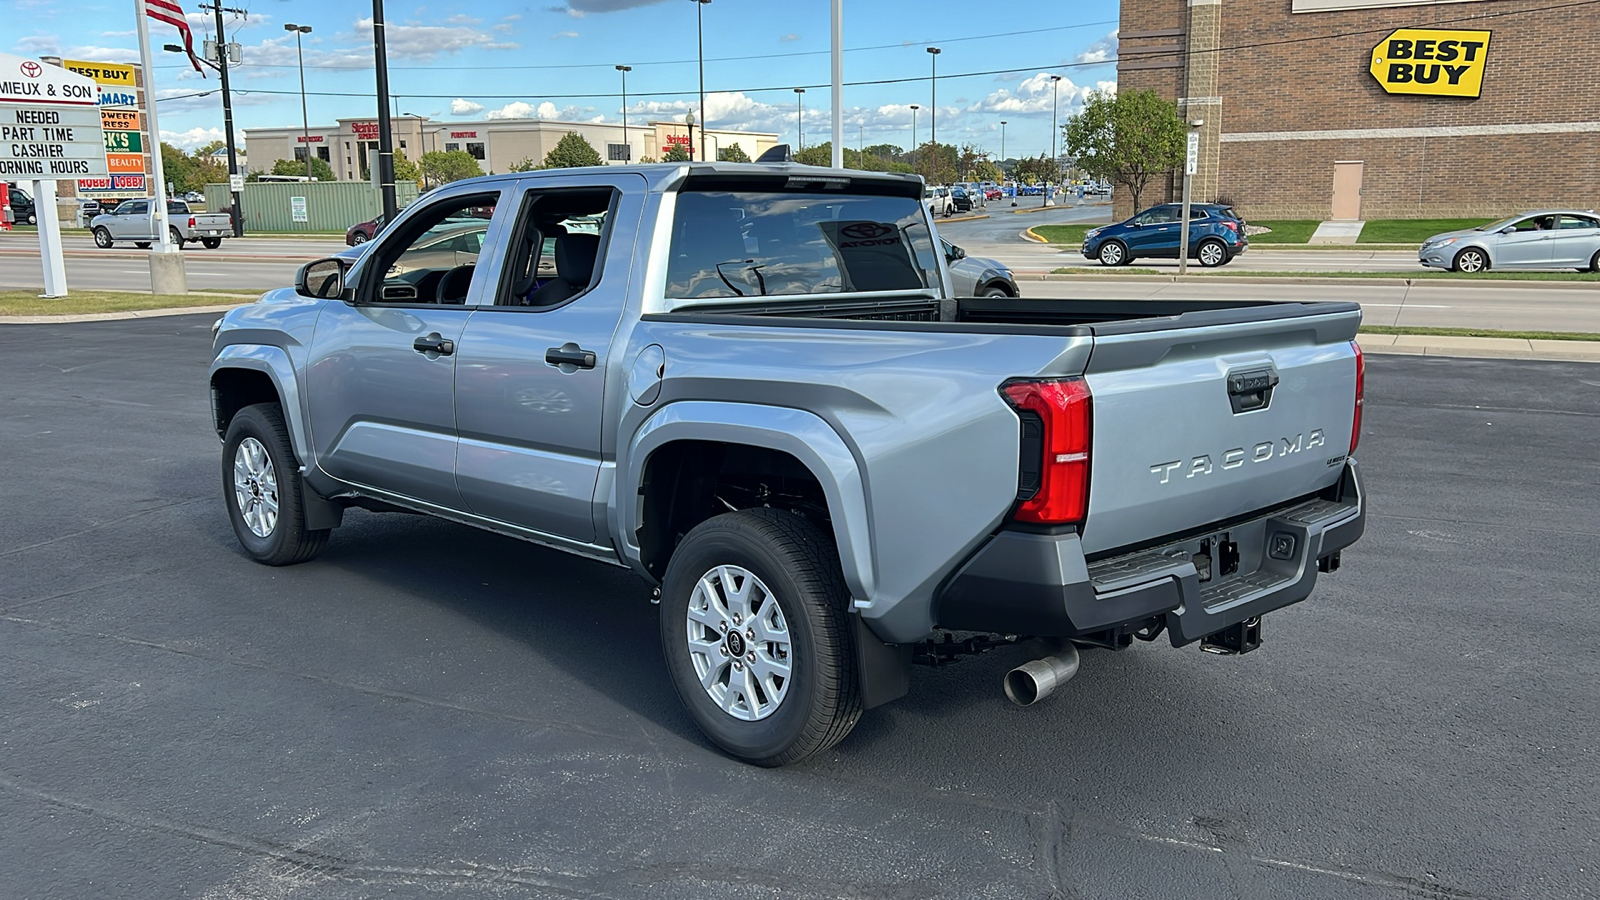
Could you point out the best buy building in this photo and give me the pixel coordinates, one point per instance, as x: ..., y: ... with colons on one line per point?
x: 1366, y: 109
x: 498, y: 144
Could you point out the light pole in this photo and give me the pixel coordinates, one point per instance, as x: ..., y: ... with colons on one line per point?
x: 625, y: 70
x: 1003, y: 163
x: 1055, y: 164
x: 914, y: 109
x: 799, y: 117
x: 688, y: 121
x: 1189, y: 165
x: 933, y: 113
x: 380, y: 61
x: 700, y: 27
x: 305, y: 122
x: 861, y: 145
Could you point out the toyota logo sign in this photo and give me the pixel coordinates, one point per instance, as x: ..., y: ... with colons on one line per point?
x: 32, y: 69
x: 865, y: 231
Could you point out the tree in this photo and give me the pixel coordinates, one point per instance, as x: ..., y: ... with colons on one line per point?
x: 676, y: 153
x: 526, y: 165
x: 209, y: 148
x: 571, y: 152
x: 815, y: 155
x: 443, y: 167
x: 320, y: 170
x: 984, y: 170
x: 1035, y: 169
x: 732, y: 153
x: 405, y: 169
x: 1127, y: 138
x: 937, y: 164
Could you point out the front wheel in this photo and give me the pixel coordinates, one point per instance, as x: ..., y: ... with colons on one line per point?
x: 756, y: 636
x: 359, y: 237
x: 102, y: 238
x: 1212, y: 253
x: 261, y: 489
x: 1471, y: 260
x: 211, y: 243
x: 1113, y: 253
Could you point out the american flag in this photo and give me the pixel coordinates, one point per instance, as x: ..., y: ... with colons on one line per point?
x: 170, y: 12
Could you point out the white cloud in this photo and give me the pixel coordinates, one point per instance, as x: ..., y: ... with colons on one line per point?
x: 460, y: 107
x: 547, y: 111
x: 1103, y: 50
x: 119, y: 34
x: 462, y: 19
x: 194, y: 137
x: 50, y: 45
x: 502, y: 27
x: 788, y: 38
x: 424, y: 42
x: 1033, y: 94
x: 562, y: 35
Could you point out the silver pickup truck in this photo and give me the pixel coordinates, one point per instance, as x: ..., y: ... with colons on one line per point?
x: 753, y: 385
x: 135, y: 221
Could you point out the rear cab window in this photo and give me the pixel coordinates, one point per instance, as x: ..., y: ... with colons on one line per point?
x: 753, y: 242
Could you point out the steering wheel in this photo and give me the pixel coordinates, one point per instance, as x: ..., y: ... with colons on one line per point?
x: 454, y: 285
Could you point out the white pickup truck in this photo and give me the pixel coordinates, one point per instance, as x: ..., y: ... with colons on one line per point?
x: 134, y: 220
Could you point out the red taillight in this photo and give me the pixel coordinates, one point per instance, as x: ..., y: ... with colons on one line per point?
x: 191, y: 221
x: 1231, y: 226
x: 1064, y: 410
x: 1361, y: 396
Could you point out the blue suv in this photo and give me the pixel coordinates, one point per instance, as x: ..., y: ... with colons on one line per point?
x: 1216, y: 235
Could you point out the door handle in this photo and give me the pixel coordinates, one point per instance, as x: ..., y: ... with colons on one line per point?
x: 433, y: 343
x: 570, y: 355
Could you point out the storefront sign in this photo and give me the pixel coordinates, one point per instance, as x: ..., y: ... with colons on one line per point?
x: 308, y: 138
x: 107, y: 74
x: 365, y: 131
x: 463, y: 134
x: 125, y: 163
x: 113, y: 186
x: 49, y: 127
x: 124, y: 142
x: 1431, y: 62
x: 121, y: 120
x: 119, y: 98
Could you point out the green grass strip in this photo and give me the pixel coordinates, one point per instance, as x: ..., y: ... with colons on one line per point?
x: 1483, y: 333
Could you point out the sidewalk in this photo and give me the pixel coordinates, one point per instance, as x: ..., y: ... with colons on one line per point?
x: 1480, y: 348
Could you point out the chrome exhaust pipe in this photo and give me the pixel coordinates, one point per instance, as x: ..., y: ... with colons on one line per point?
x: 1033, y: 681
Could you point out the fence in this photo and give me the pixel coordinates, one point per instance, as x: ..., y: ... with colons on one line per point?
x: 328, y: 206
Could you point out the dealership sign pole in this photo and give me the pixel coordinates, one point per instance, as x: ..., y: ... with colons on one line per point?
x: 49, y: 130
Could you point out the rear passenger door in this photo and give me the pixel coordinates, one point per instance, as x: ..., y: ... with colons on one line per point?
x: 1576, y: 241
x: 532, y: 365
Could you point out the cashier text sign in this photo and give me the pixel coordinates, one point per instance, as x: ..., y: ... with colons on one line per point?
x: 49, y: 122
x: 1431, y: 62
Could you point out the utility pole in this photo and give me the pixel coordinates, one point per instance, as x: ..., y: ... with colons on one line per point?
x: 1055, y: 160
x: 933, y: 114
x: 914, y: 109
x: 799, y: 117
x: 227, y: 112
x: 838, y: 83
x: 380, y: 54
x: 700, y: 28
x: 625, y: 70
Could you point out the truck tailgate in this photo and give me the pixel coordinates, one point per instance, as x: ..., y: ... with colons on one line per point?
x: 1197, y: 422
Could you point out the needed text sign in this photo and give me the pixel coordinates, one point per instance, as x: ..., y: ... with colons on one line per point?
x: 49, y: 122
x: 1431, y: 62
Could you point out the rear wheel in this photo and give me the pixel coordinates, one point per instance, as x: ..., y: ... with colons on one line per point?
x: 102, y: 238
x: 261, y: 489
x: 1113, y: 253
x: 756, y: 636
x: 1594, y: 262
x: 211, y: 243
x: 1471, y: 260
x: 1212, y: 253
x: 142, y: 245
x: 359, y: 237
x: 176, y: 237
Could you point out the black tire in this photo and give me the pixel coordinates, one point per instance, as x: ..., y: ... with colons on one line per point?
x: 1594, y: 262
x: 176, y: 237
x: 211, y: 243
x: 359, y: 237
x: 142, y: 245
x: 800, y: 566
x: 1213, y: 250
x: 1471, y: 260
x: 1113, y: 253
x: 289, y: 542
x: 102, y: 238
x: 995, y: 290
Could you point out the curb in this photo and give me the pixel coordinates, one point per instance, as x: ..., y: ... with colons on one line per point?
x: 1028, y: 234
x: 121, y: 315
x: 1376, y: 281
x: 962, y: 219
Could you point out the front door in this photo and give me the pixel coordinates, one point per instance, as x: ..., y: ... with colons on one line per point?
x: 532, y: 368
x: 1157, y: 234
x: 1347, y: 190
x: 1528, y: 245
x: 129, y: 221
x: 381, y: 378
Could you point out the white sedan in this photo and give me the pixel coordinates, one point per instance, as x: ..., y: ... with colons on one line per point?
x: 1546, y: 239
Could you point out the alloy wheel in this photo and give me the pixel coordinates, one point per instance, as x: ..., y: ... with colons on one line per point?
x: 255, y: 487
x: 739, y: 643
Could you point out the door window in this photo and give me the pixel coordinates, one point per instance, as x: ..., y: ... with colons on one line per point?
x: 432, y: 256
x: 1574, y: 223
x: 557, y: 247
x: 1161, y: 215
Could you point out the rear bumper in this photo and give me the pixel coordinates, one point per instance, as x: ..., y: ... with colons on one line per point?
x: 1040, y: 584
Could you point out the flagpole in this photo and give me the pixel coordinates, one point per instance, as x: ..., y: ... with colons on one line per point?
x: 166, y: 274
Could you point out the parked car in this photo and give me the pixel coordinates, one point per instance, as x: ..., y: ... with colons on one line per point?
x: 1216, y: 236
x: 755, y: 389
x: 135, y: 220
x: 21, y: 203
x: 194, y: 197
x: 960, y: 199
x: 992, y: 192
x: 1546, y: 239
x: 976, y: 276
x: 361, y: 232
x: 937, y: 199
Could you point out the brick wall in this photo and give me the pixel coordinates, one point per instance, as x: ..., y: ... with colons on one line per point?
x: 1323, y: 84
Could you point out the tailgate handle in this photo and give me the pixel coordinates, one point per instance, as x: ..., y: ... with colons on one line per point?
x: 1251, y: 390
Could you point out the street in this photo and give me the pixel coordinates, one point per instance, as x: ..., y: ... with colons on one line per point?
x: 429, y: 710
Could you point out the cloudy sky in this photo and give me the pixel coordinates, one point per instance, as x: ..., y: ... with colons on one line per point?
x: 556, y: 58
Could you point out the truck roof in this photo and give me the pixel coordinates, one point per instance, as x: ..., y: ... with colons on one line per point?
x: 664, y: 175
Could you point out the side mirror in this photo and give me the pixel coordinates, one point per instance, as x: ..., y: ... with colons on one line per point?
x: 957, y: 253
x: 320, y: 280
x: 1136, y: 224
x: 1509, y: 229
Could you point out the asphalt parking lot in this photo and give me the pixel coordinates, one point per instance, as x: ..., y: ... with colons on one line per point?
x: 427, y: 710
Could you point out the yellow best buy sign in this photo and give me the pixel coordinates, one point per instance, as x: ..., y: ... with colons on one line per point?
x: 1431, y: 61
